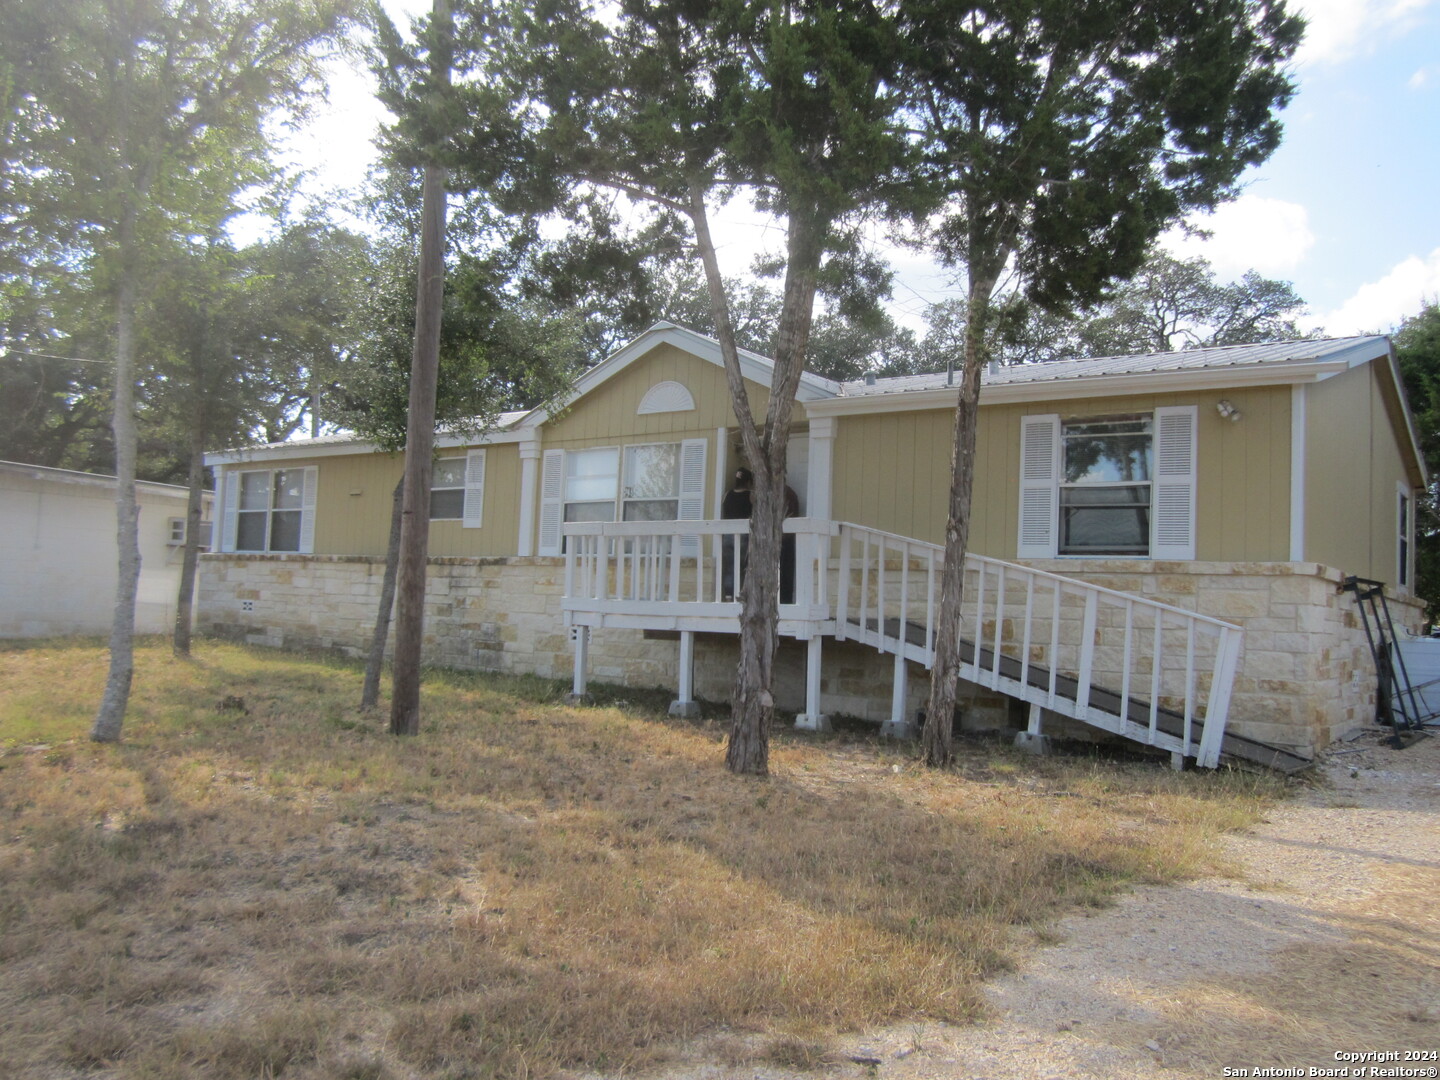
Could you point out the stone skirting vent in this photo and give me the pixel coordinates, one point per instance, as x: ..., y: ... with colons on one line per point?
x: 1305, y: 674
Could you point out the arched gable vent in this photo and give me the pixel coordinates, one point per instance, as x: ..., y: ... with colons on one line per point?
x: 666, y: 397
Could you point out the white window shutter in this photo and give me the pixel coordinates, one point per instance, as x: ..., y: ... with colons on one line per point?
x: 1039, y: 486
x: 228, y: 484
x: 692, y: 491
x: 311, y: 492
x: 474, y: 513
x: 1172, y: 514
x: 552, y: 501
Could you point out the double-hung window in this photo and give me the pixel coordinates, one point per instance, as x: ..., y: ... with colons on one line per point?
x: 1105, y: 486
x: 640, y: 482
x: 447, y: 489
x: 270, y: 510
x: 1109, y: 486
x: 652, y: 483
x: 592, y: 478
x: 457, y: 489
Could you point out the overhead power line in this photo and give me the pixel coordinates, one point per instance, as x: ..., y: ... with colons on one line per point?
x: 51, y: 356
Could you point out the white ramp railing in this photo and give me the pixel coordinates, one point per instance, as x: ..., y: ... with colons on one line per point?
x: 1146, y: 670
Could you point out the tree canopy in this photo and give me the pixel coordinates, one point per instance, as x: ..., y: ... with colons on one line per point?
x: 1067, y: 137
x: 130, y: 124
x: 1417, y: 347
x: 672, y: 108
x: 1170, y: 304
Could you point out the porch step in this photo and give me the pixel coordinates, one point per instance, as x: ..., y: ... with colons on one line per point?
x: 1037, y: 680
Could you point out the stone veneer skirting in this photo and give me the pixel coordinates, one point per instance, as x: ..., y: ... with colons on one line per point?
x: 1305, y: 678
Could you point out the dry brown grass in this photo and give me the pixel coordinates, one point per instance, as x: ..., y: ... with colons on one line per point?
x: 283, y: 889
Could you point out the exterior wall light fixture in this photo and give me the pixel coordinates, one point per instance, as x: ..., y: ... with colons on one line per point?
x: 1228, y: 411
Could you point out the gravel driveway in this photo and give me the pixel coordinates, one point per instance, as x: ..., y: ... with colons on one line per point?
x: 1326, y: 943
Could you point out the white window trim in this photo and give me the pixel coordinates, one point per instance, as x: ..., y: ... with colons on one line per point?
x: 619, y: 478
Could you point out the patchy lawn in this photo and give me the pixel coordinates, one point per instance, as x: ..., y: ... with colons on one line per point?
x: 260, y: 881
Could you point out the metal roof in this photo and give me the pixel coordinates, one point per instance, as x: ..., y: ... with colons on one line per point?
x: 1229, y: 357
x: 503, y: 421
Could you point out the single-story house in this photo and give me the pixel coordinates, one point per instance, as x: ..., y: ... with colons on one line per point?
x: 1156, y: 539
x: 57, y: 536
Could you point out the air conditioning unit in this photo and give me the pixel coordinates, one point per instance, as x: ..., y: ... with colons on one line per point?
x: 177, y: 533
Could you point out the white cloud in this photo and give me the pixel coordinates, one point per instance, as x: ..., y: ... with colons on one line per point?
x: 1424, y: 77
x: 1267, y: 235
x: 1380, y: 305
x: 1339, y: 29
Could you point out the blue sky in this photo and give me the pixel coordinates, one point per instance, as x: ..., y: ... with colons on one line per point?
x: 1348, y: 209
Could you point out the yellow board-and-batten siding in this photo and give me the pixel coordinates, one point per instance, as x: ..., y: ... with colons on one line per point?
x: 354, y: 499
x: 1352, y: 497
x: 609, y: 416
x: 892, y: 470
x: 353, y: 502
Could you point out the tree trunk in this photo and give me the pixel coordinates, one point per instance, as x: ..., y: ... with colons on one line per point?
x: 752, y: 704
x: 420, y: 429
x: 940, y: 711
x: 370, y: 693
x: 190, y: 561
x: 111, y: 714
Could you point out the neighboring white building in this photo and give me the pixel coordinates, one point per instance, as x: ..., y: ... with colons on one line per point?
x: 58, y: 561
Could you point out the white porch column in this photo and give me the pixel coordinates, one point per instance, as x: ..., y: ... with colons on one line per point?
x: 812, y: 719
x: 685, y: 704
x: 529, y: 456
x: 898, y: 726
x: 822, y: 447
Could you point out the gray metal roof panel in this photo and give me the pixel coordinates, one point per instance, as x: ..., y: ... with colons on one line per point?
x: 1218, y: 358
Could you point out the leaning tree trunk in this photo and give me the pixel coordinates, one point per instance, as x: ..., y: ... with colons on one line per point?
x: 375, y: 662
x: 944, y: 677
x: 752, y: 704
x: 190, y: 560
x: 111, y: 714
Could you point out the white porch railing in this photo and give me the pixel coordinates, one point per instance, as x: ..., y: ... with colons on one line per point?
x: 685, y: 568
x: 1146, y: 670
